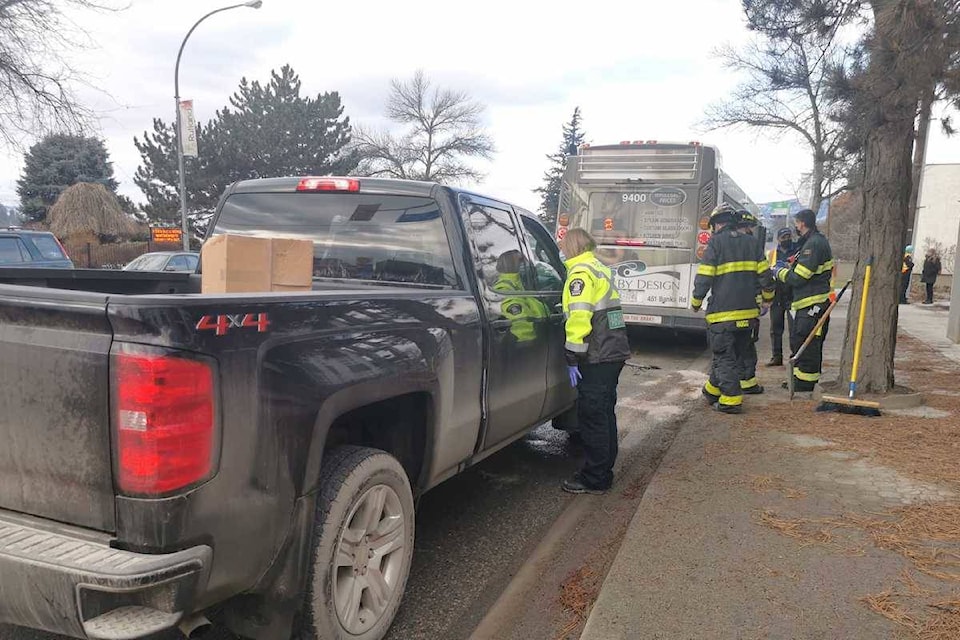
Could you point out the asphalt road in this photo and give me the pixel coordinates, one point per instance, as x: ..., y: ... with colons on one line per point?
x: 475, y: 531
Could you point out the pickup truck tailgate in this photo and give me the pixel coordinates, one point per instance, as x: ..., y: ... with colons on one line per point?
x: 55, y: 456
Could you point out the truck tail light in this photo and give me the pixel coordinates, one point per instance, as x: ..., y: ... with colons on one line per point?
x: 165, y: 422
x: 329, y: 184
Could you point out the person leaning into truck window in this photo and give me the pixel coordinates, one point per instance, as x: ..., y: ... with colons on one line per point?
x: 729, y: 272
x: 522, y: 311
x: 809, y: 277
x: 596, y: 348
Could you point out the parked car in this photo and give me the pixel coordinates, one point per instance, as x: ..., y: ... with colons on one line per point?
x: 33, y: 249
x: 166, y: 452
x: 165, y: 261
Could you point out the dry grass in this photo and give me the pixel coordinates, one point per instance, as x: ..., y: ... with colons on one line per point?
x: 576, y: 595
x: 928, y: 536
x: 767, y: 484
x: 886, y: 606
x: 924, y: 448
x: 86, y: 208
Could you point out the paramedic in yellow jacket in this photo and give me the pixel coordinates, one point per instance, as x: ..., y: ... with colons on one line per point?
x: 522, y: 311
x: 596, y: 347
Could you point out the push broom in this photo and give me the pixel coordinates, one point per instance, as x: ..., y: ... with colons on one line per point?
x: 851, y: 404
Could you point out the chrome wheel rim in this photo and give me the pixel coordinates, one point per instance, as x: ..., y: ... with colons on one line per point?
x: 369, y: 559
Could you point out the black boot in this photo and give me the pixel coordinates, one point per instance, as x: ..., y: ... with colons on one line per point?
x: 728, y: 408
x: 776, y: 361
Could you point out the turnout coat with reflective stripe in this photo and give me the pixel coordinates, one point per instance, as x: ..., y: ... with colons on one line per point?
x: 810, y: 274
x: 595, y: 328
x: 731, y: 270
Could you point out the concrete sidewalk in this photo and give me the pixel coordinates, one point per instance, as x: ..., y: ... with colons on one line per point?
x: 732, y: 537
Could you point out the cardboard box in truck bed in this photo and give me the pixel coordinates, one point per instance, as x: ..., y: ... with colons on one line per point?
x: 246, y: 264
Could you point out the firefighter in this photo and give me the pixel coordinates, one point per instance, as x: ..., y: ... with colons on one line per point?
x: 729, y: 271
x: 784, y: 252
x: 809, y: 277
x: 748, y: 223
x: 596, y: 348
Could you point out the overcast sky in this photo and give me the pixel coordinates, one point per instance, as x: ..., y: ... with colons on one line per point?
x: 637, y: 70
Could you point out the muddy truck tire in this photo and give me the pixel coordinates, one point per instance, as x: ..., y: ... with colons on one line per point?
x: 363, y: 546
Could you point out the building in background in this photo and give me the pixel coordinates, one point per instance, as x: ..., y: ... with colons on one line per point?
x: 938, y: 213
x: 776, y: 215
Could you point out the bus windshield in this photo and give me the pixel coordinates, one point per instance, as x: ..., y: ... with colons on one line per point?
x: 663, y: 217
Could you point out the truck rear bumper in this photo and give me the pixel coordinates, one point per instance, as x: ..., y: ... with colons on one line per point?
x: 72, y: 582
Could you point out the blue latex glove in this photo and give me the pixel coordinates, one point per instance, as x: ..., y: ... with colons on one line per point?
x: 575, y: 377
x: 764, y: 308
x: 780, y: 265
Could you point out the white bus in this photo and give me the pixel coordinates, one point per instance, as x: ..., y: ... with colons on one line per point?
x: 648, y: 204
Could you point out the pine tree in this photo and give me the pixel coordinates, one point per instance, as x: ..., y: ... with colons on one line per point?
x: 266, y: 131
x: 57, y: 162
x: 573, y: 137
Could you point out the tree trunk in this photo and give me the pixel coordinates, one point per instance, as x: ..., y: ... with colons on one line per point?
x: 816, y: 183
x: 886, y: 192
x: 896, y: 79
x: 919, y: 159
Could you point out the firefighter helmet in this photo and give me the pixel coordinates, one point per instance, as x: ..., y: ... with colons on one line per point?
x: 746, y: 219
x: 723, y: 214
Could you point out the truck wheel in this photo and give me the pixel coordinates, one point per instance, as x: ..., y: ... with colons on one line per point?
x: 363, y: 546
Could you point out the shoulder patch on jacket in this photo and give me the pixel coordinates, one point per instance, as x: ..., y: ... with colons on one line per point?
x: 576, y: 287
x: 807, y: 252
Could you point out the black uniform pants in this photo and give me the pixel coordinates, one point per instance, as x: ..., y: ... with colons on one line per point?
x: 806, y: 371
x: 780, y: 311
x: 748, y: 358
x: 728, y: 346
x: 597, y: 417
x: 929, y: 286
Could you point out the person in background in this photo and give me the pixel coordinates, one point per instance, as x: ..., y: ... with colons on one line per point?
x: 785, y: 250
x: 597, y: 348
x: 931, y: 271
x: 905, y: 271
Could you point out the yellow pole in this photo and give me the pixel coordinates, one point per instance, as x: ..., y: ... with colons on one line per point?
x: 860, y: 320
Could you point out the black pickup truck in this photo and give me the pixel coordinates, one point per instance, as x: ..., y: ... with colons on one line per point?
x: 164, y: 452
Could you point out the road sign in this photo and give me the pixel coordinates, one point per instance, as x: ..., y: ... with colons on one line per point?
x: 166, y: 235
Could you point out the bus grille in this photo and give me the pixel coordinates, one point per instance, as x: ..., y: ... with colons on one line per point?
x: 653, y: 164
x: 708, y: 197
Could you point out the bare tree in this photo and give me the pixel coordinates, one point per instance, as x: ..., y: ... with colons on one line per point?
x: 37, y: 80
x: 787, y: 90
x: 911, y: 47
x: 443, y: 131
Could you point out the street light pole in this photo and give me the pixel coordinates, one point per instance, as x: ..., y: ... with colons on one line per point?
x: 253, y: 4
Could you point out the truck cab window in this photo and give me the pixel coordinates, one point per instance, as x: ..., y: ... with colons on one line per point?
x: 548, y: 267
x: 499, y: 252
x: 377, y: 238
